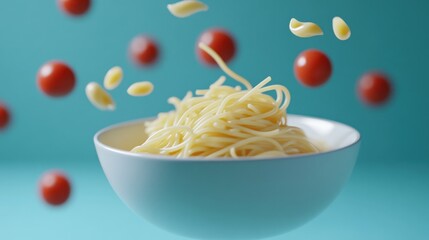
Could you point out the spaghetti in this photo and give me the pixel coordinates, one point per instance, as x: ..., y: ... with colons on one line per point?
x: 226, y: 121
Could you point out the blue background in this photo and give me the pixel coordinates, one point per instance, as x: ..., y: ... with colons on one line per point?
x: 388, y: 194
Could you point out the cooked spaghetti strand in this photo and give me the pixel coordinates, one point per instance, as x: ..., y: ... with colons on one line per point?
x: 225, y: 121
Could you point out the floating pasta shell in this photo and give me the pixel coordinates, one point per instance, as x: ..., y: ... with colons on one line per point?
x: 341, y: 29
x: 304, y: 29
x: 140, y: 89
x: 186, y: 8
x: 99, y: 97
x: 113, y: 78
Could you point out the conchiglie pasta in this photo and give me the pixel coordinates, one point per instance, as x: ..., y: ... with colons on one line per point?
x: 186, y: 8
x: 304, y: 29
x: 341, y: 29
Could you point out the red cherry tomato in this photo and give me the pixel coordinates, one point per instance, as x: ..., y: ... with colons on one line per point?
x: 54, y: 188
x: 143, y: 50
x: 220, y: 41
x: 56, y: 79
x: 75, y: 7
x: 4, y: 116
x: 374, y: 88
x: 312, y: 68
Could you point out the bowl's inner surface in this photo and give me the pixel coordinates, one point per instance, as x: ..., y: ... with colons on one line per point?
x: 124, y: 136
x: 329, y: 135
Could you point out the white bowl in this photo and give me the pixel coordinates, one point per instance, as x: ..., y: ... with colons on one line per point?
x: 229, y: 198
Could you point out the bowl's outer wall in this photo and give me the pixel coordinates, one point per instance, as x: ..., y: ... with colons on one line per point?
x: 221, y: 200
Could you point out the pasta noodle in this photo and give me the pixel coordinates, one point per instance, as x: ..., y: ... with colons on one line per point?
x: 140, y: 89
x: 304, y: 29
x: 225, y: 121
x: 113, y: 78
x: 186, y: 8
x: 341, y: 29
x: 99, y: 97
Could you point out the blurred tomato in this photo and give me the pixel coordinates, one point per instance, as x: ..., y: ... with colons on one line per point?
x: 143, y: 50
x: 312, y: 68
x: 54, y: 188
x: 220, y: 41
x: 374, y: 88
x: 56, y: 79
x: 75, y: 7
x: 4, y: 116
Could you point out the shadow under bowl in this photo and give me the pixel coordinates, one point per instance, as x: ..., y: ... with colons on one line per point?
x: 223, y: 198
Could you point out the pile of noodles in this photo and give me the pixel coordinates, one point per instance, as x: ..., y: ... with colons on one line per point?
x: 226, y: 121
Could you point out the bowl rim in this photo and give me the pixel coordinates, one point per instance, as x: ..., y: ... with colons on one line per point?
x: 156, y: 157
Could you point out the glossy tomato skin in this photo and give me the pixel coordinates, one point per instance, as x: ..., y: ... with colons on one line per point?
x: 220, y: 41
x: 56, y: 79
x: 143, y: 50
x: 312, y: 68
x: 75, y: 7
x: 4, y: 116
x: 54, y: 188
x: 374, y: 88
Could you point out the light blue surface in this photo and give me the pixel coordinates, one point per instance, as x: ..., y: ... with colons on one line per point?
x: 378, y: 203
x: 387, y: 197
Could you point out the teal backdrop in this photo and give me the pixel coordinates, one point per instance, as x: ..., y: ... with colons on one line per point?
x: 388, y: 195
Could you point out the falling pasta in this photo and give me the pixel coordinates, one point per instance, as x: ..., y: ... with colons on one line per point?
x: 186, y: 8
x: 113, y: 78
x: 140, y: 89
x: 99, y: 97
x: 304, y: 29
x: 341, y: 29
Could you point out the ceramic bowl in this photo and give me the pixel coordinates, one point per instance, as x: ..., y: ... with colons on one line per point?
x: 248, y: 198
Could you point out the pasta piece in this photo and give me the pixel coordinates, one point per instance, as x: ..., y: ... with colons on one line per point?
x: 140, y: 89
x: 223, y: 65
x: 304, y: 29
x: 186, y: 8
x: 341, y: 29
x: 113, y: 78
x: 99, y: 97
